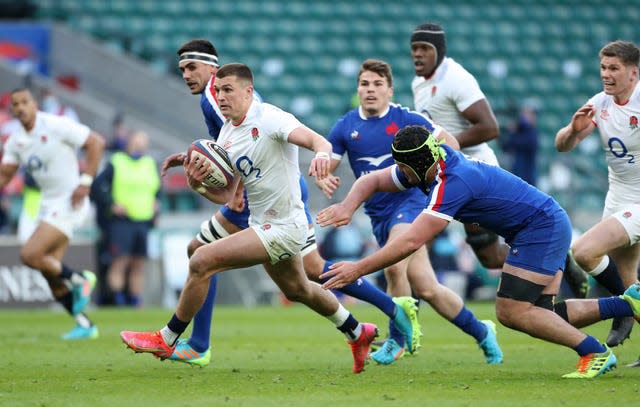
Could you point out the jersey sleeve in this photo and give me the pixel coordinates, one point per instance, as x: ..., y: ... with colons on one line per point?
x: 281, y: 124
x: 71, y: 132
x: 337, y: 140
x: 9, y: 153
x: 465, y: 91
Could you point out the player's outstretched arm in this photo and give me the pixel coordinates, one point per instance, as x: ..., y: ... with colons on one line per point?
x: 422, y: 230
x: 93, y: 148
x: 581, y: 126
x: 309, y: 139
x: 340, y: 214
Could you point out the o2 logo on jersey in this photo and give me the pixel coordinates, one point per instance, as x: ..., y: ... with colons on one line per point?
x: 244, y: 164
x: 34, y: 163
x: 619, y: 150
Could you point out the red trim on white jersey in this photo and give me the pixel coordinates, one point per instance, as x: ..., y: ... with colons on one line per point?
x: 210, y: 94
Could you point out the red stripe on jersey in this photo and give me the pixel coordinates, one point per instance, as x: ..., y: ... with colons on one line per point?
x: 212, y: 90
x: 438, y: 191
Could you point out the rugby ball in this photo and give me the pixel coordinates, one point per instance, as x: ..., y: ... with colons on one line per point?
x: 221, y: 169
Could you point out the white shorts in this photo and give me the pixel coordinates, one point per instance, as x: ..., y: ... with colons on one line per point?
x: 629, y: 218
x: 310, y: 245
x: 282, y: 242
x: 61, y: 215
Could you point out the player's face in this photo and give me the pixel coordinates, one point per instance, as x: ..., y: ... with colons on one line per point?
x: 24, y: 108
x: 374, y: 93
x: 424, y: 58
x: 196, y: 75
x: 408, y: 172
x: 618, y: 80
x: 234, y: 97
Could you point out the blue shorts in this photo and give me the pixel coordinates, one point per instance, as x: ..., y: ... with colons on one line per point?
x: 128, y: 238
x: 241, y: 219
x: 403, y: 213
x: 543, y: 244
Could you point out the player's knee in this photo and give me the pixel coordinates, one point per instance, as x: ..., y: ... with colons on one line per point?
x: 193, y: 245
x: 486, y: 246
x: 428, y: 293
x: 479, y: 239
x: 313, y: 265
x: 504, y: 314
x: 581, y: 254
x: 199, y: 266
x: 295, y: 292
x: 30, y: 257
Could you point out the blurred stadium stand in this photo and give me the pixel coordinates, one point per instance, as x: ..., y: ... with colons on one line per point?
x: 305, y: 56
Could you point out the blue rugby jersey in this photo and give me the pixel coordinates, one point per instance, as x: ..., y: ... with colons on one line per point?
x: 368, y: 141
x: 472, y: 191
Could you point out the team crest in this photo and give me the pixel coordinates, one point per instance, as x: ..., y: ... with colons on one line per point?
x: 392, y: 129
x: 434, y: 89
x: 604, y: 114
x: 44, y: 138
x: 626, y: 214
x: 266, y: 226
x: 226, y: 144
x: 255, y: 133
x: 633, y: 122
x: 355, y: 135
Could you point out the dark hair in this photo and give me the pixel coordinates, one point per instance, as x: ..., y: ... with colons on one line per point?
x: 198, y: 45
x: 380, y: 67
x: 242, y: 71
x: 416, y: 148
x: 627, y: 51
x: 20, y: 89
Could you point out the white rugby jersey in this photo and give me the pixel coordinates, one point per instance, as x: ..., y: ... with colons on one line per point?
x: 620, y: 135
x: 48, y: 153
x: 267, y: 162
x: 442, y: 97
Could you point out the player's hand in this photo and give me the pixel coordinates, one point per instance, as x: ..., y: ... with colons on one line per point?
x: 319, y: 167
x: 237, y: 203
x: 341, y: 274
x: 196, y: 169
x: 335, y: 215
x: 174, y: 160
x: 78, y: 195
x: 328, y: 185
x: 582, y: 118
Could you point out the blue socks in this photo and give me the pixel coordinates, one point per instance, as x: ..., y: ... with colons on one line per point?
x: 201, y: 334
x: 589, y: 345
x: 470, y: 324
x: 611, y: 307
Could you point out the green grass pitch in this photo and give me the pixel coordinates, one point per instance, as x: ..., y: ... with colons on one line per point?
x: 289, y: 356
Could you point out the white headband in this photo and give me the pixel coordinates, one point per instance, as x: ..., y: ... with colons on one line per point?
x: 205, y: 58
